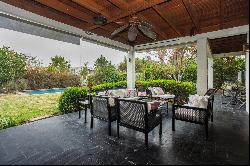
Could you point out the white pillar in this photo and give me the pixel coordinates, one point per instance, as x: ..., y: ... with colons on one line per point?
x: 210, y: 73
x: 202, y: 71
x: 239, y: 76
x: 131, y: 69
x: 247, y: 77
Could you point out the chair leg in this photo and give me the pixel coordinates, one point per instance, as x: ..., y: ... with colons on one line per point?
x: 146, y: 140
x: 167, y: 108
x: 86, y: 109
x: 173, y: 124
x: 206, y: 130
x: 79, y: 113
x: 212, y: 117
x: 91, y: 123
x: 118, y: 130
x: 109, y: 127
x: 160, y: 131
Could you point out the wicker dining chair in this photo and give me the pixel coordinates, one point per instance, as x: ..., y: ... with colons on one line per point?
x: 135, y: 115
x: 101, y: 109
x: 195, y: 114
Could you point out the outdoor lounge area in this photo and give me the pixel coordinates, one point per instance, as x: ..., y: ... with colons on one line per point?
x: 67, y: 139
x: 129, y: 117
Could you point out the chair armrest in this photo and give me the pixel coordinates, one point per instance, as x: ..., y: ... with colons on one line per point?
x: 189, y: 107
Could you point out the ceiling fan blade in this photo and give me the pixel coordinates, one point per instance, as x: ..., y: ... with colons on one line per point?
x: 132, y: 33
x: 144, y: 23
x: 147, y: 31
x: 122, y: 28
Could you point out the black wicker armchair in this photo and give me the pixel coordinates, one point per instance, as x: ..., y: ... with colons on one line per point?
x: 194, y: 114
x: 135, y: 115
x: 101, y: 109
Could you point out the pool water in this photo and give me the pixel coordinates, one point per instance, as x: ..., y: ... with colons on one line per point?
x: 45, y: 91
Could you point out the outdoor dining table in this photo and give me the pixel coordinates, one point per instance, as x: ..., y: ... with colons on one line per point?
x: 164, y: 99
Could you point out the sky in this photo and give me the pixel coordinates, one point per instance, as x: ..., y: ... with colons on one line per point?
x: 44, y: 49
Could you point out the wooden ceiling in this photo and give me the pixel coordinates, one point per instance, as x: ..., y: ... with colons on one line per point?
x: 228, y: 44
x: 171, y: 19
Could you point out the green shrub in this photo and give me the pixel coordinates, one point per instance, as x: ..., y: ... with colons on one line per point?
x: 13, y: 86
x: 181, y: 89
x: 41, y: 78
x: 68, y: 101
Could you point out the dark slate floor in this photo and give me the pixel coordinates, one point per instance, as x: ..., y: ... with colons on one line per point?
x: 68, y: 140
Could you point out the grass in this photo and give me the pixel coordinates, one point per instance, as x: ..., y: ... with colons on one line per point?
x: 18, y: 109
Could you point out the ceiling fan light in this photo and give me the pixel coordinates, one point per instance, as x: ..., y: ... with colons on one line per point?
x: 132, y: 33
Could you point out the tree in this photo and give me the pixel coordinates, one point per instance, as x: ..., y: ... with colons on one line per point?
x: 178, y: 61
x: 139, y: 65
x: 59, y: 64
x: 226, y: 69
x: 105, y: 72
x: 84, y: 71
x: 33, y: 62
x: 12, y: 65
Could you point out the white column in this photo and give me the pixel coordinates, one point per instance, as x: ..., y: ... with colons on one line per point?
x: 202, y: 70
x: 247, y: 77
x: 239, y: 76
x: 131, y: 69
x: 210, y: 72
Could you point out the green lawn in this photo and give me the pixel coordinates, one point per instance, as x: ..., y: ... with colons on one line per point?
x: 18, y: 109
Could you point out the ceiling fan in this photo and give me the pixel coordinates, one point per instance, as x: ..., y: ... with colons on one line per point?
x: 134, y: 25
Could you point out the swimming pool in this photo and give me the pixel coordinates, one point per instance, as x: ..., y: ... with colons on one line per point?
x: 44, y: 91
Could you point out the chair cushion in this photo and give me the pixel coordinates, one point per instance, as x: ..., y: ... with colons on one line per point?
x: 131, y: 93
x: 142, y: 93
x: 102, y: 93
x: 198, y: 101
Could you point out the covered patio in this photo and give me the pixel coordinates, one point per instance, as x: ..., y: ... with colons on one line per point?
x: 218, y: 28
x: 68, y: 140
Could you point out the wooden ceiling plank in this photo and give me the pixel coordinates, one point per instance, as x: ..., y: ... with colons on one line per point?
x: 66, y: 9
x: 91, y: 5
x: 48, y: 12
x: 169, y: 20
x: 155, y: 27
x: 119, y: 3
x: 191, y: 13
x: 142, y: 7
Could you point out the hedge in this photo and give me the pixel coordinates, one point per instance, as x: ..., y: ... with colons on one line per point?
x: 41, y: 78
x: 68, y: 101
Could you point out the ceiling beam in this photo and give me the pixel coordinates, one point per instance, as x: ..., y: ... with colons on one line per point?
x: 191, y: 39
x: 239, y: 53
x: 142, y: 7
x: 168, y: 19
x: 191, y: 13
x: 66, y: 9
